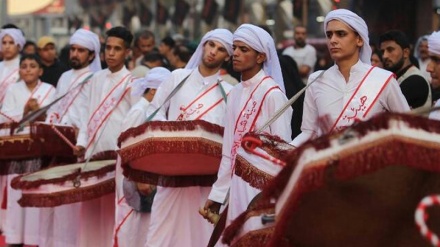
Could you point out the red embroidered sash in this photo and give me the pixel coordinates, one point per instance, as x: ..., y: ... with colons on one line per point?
x: 363, y: 99
x: 9, y: 79
x: 248, y: 116
x: 63, y: 106
x: 104, y: 110
x: 200, y: 105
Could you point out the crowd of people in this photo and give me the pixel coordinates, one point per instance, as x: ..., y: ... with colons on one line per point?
x: 237, y: 80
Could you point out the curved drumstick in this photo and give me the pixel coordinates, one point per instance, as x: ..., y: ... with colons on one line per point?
x: 250, y: 144
x: 421, y: 217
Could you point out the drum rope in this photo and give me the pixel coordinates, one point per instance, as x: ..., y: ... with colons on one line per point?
x: 292, y: 100
x: 421, y: 217
x: 251, y: 144
x: 62, y: 137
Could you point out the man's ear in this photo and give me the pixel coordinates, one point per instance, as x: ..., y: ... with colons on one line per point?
x: 406, y: 52
x: 261, y: 57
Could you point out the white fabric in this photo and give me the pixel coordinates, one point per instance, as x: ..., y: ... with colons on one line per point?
x: 240, y: 192
x: 18, y: 94
x: 90, y: 41
x: 22, y: 224
x: 435, y: 114
x: 327, y: 96
x: 8, y: 75
x: 261, y: 41
x: 434, y: 43
x: 357, y: 24
x: 303, y: 56
x: 174, y: 215
x: 221, y: 35
x: 98, y: 215
x: 152, y: 79
x: 15, y: 34
x: 68, y: 81
x: 131, y: 227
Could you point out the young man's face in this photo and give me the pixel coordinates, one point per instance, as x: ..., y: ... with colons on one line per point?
x: 79, y: 56
x: 9, y: 49
x: 434, y: 70
x: 48, y: 54
x: 214, y: 54
x: 146, y: 45
x: 30, y: 70
x: 342, y: 41
x: 115, y: 53
x: 393, y: 55
x: 245, y: 58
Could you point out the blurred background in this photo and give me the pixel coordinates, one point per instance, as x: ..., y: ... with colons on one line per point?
x: 192, y: 18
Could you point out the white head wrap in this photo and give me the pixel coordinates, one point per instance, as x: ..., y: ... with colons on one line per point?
x: 434, y: 43
x: 152, y: 79
x: 15, y: 34
x: 357, y: 24
x: 221, y: 35
x: 261, y: 41
x: 90, y: 41
x: 418, y: 43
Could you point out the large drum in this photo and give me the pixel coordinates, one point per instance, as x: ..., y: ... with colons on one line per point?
x: 35, y: 140
x: 66, y: 184
x: 172, y: 153
x: 359, y: 187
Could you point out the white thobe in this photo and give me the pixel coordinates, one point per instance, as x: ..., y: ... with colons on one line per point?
x: 175, y: 220
x: 240, y: 192
x: 303, y: 56
x: 98, y: 215
x: 8, y: 74
x: 131, y: 227
x: 435, y: 114
x: 22, y: 224
x: 59, y: 225
x: 328, y: 95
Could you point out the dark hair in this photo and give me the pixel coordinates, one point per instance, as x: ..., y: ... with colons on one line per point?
x: 9, y: 25
x: 182, y: 52
x: 378, y: 53
x: 34, y: 57
x: 153, y: 56
x: 168, y: 41
x: 122, y: 33
x: 143, y: 34
x: 397, y: 36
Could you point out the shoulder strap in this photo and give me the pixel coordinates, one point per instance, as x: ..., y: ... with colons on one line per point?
x: 168, y: 98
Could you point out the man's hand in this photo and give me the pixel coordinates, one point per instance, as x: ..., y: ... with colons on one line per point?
x: 211, y: 211
x: 79, y: 151
x: 31, y: 105
x: 145, y: 189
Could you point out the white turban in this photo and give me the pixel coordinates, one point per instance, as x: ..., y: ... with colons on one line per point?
x: 357, y: 24
x: 221, y: 35
x: 90, y: 41
x: 261, y: 41
x: 152, y: 79
x: 434, y: 43
x: 418, y: 43
x: 15, y: 34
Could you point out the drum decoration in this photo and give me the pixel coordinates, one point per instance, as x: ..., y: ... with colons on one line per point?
x: 172, y: 153
x: 67, y: 184
x: 421, y: 217
x: 357, y: 187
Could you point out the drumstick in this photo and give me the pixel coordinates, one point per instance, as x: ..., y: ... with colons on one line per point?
x: 288, y: 104
x: 63, y: 137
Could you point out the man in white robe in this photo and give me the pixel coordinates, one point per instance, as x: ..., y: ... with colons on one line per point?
x: 108, y: 100
x: 174, y: 218
x: 131, y: 226
x: 22, y: 224
x: 14, y: 41
x: 59, y: 225
x: 251, y: 104
x: 331, y: 102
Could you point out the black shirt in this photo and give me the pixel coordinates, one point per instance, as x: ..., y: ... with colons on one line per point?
x: 52, y: 73
x: 414, y: 88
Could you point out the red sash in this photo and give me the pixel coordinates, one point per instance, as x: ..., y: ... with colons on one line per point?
x: 198, y: 108
x: 104, y: 110
x: 247, y: 118
x: 363, y: 99
x: 9, y: 79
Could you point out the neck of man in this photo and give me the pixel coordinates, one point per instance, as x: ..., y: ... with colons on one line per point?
x: 404, y: 66
x: 248, y: 74
x: 205, y: 71
x: 345, y: 65
x: 116, y: 68
x: 46, y: 63
x: 31, y: 85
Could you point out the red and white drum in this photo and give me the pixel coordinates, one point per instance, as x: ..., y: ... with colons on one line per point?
x: 358, y: 187
x: 66, y: 184
x: 172, y: 153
